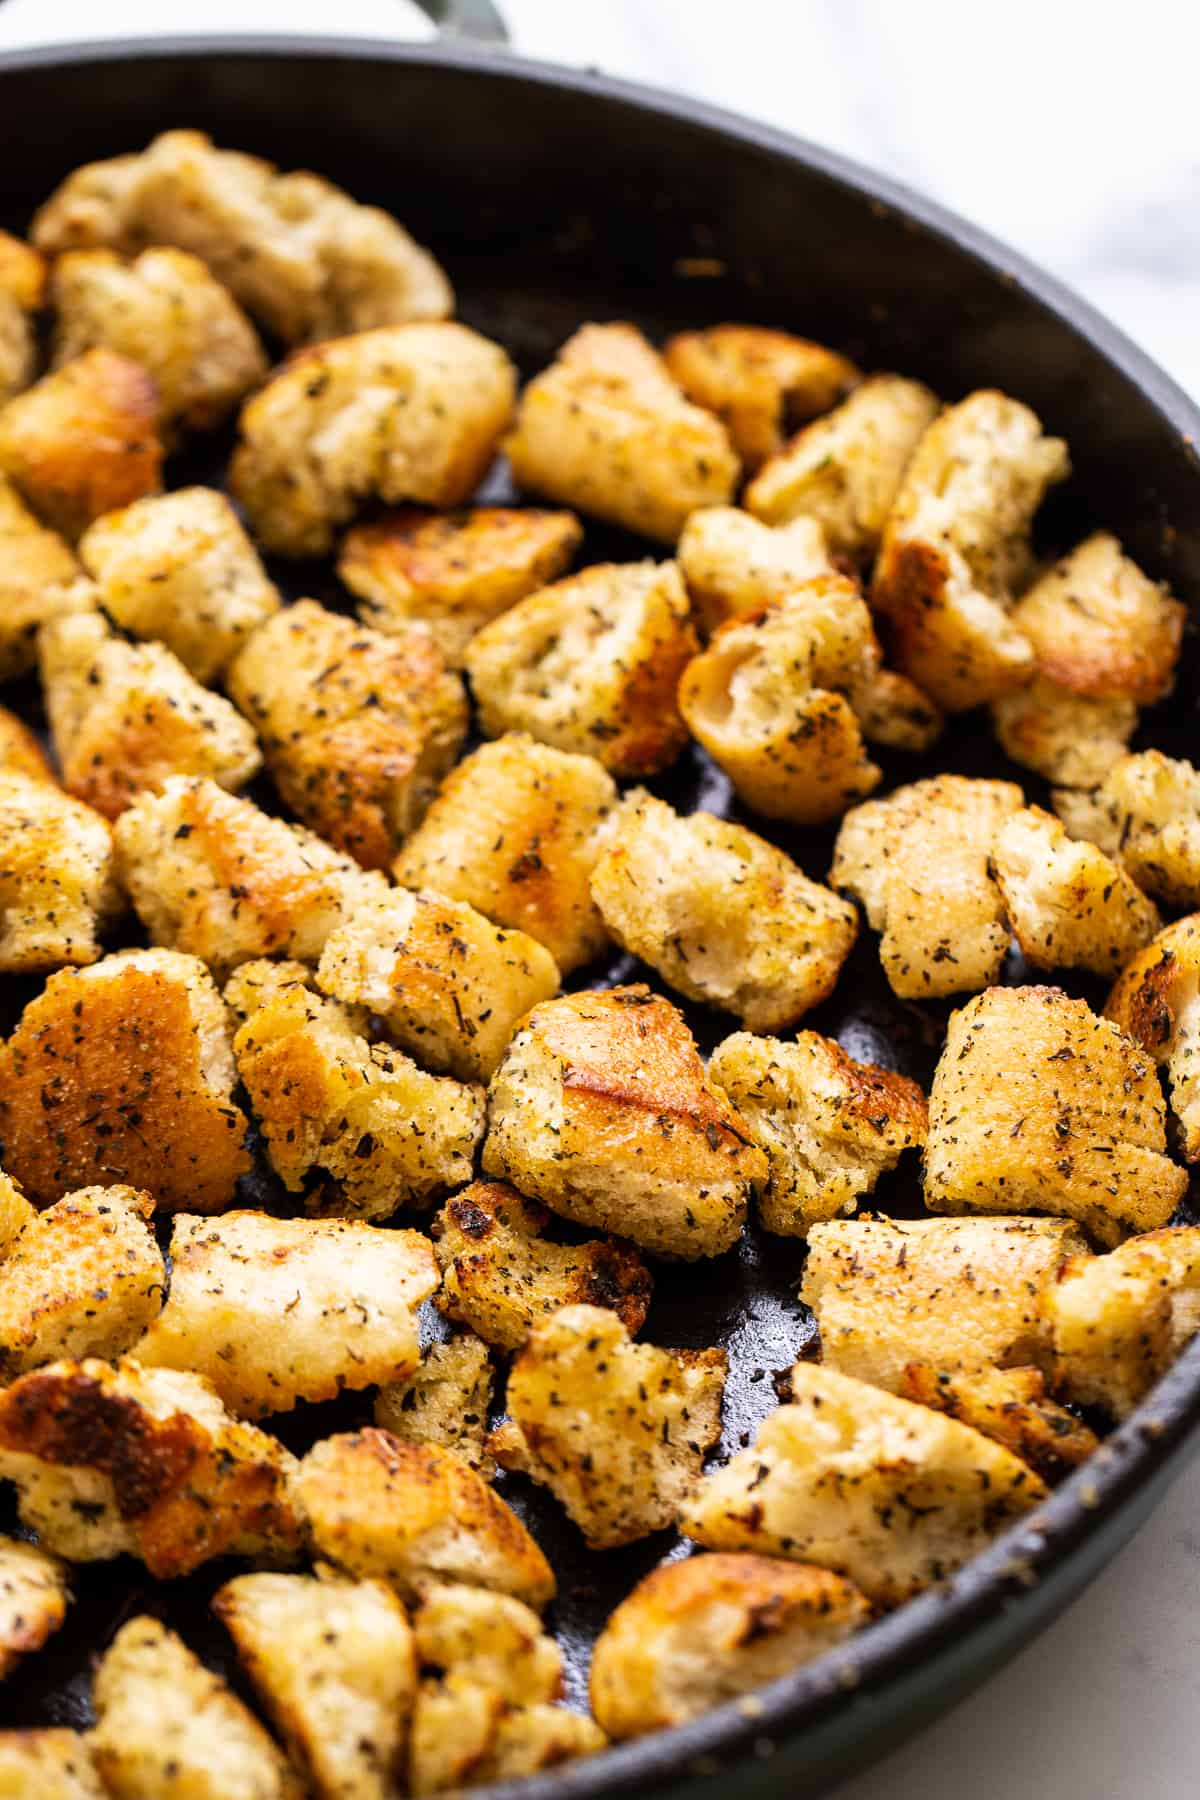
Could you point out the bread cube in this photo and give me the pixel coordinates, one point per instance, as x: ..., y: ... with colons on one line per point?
x: 22, y: 290
x: 50, y: 1764
x: 1070, y: 906
x: 895, y: 713
x: 39, y: 578
x: 1010, y: 1406
x: 1146, y: 813
x: 444, y: 1401
x: 21, y: 752
x: 57, y: 891
x: 1066, y: 737
x: 1156, y: 1002
x: 1102, y: 628
x: 33, y: 1604
x: 733, y: 564
x: 761, y: 384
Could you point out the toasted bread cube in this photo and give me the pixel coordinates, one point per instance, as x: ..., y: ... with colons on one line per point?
x: 411, y: 412
x: 725, y: 917
x: 1066, y: 737
x: 335, y: 1666
x: 16, y: 1212
x: 617, y: 1431
x: 602, y: 1109
x: 123, y: 1073
x: 694, y: 1634
x: 1146, y: 813
x: 920, y: 863
x: 57, y: 889
x: 39, y: 578
x: 33, y: 1603
x: 1070, y: 906
x: 845, y: 469
x: 828, y: 1126
x: 21, y: 752
x: 416, y: 1515
x: 272, y: 1311
x: 22, y: 273
x: 889, y: 1494
x: 515, y: 831
x: 894, y: 712
x: 501, y: 1276
x: 148, y: 1461
x: 490, y: 1638
x: 591, y: 665
x: 1102, y: 628
x: 50, y: 1764
x: 1039, y: 1106
x: 1156, y: 1002
x: 450, y: 573
x: 445, y: 1401
x: 1009, y: 1406
x: 960, y: 1294
x: 22, y: 290
x: 733, y: 564
x: 761, y: 384
x: 83, y: 440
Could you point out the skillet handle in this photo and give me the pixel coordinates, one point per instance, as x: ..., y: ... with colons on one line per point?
x: 477, y: 20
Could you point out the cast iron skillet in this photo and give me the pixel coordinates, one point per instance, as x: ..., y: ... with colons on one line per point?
x: 555, y: 197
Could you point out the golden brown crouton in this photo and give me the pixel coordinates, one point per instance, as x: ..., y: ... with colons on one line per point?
x: 178, y: 567
x: 39, y: 578
x: 1065, y: 737
x: 123, y: 1073
x: 1010, y: 1407
x: 413, y: 412
x: 450, y: 573
x: 725, y: 917
x: 845, y: 470
x: 167, y: 1727
x: 1037, y: 1105
x: 444, y: 1402
x: 694, y: 1634
x: 83, y: 440
x: 606, y: 429
x: 894, y: 712
x: 16, y: 1212
x: 416, y: 1515
x: 52, y: 1764
x: 57, y: 891
x: 334, y: 1664
x: 733, y: 564
x: 358, y: 728
x: 761, y: 384
x: 22, y: 272
x: 21, y: 752
x: 33, y: 1603
x: 22, y: 290
x: 602, y: 1109
x: 616, y: 1430
x: 829, y: 1126
x: 488, y: 1638
x: 1157, y: 1003
x: 1070, y: 906
x: 515, y: 831
x: 592, y: 665
x: 1102, y: 628
x: 126, y: 716
x: 148, y: 1461
x: 1146, y: 812
x: 920, y: 863
x: 892, y: 1495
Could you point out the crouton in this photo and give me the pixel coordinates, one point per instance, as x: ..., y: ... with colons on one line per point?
x: 733, y: 564
x: 616, y: 1430
x: 412, y: 412
x: 108, y: 1460
x: 33, y: 1603
x: 845, y: 469
x: 1010, y: 1407
x: 358, y: 728
x: 22, y: 272
x: 178, y: 567
x: 83, y: 440
x: 57, y: 891
x: 450, y: 573
x: 125, y: 716
x: 920, y: 863
x: 761, y: 384
x: 893, y: 712
x: 602, y: 1109
x: 16, y: 1212
x: 334, y: 1664
x: 1066, y: 737
x: 960, y: 1294
x: 123, y: 1073
x: 212, y: 875
x: 21, y: 752
x: 1070, y: 906
x: 591, y: 665
x: 1156, y: 1002
x: 416, y: 1515
x: 39, y: 578
x: 22, y: 290
x: 889, y: 1494
x: 828, y: 1126
x: 166, y: 1726
x: 445, y: 1401
x: 293, y: 249
x: 1146, y: 812
x: 694, y: 1634
x: 1102, y: 628
x: 515, y: 831
x: 725, y: 917
x: 1039, y: 1106
x: 51, y: 1764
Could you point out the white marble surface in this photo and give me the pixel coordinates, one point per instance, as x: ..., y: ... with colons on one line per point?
x: 1072, y: 132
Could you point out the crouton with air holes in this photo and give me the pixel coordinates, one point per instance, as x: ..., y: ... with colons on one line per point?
x: 733, y: 564
x: 146, y: 1461
x: 444, y: 1401
x: 1069, y: 905
x: 1011, y: 1407
x: 890, y: 1494
x: 602, y: 1109
x: 694, y: 1634
x: 724, y: 917
x: 292, y: 248
x: 845, y: 469
x: 22, y: 292
x: 330, y: 1104
x: 501, y: 1275
x: 450, y: 573
x: 1037, y: 1105
x: 33, y: 1603
x: 591, y: 665
x: 412, y: 412
x: 416, y: 1515
x: 617, y: 1431
x: 920, y: 863
x: 123, y: 1073
x: 1156, y: 1002
x: 761, y: 384
x: 607, y: 429
x: 39, y: 579
x: 828, y: 1126
x: 448, y: 984
x: 48, y: 1764
x: 334, y: 1664
x: 57, y: 888
x: 1145, y: 813
x: 515, y: 831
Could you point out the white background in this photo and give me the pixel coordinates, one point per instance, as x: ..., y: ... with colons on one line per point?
x: 1071, y: 130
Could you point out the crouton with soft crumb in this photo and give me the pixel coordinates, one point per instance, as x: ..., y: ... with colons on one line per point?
x: 1068, y: 738
x: 1156, y: 1002
x: 1039, y: 1106
x: 1146, y: 813
x: 1069, y: 905
x: 21, y: 752
x: 829, y: 1126
x: 49, y: 1764
x: 603, y: 1110
x: 123, y: 1073
x: 39, y: 579
x: 22, y: 292
x: 57, y: 888
x: 1011, y: 1407
x: 761, y: 384
x: 733, y: 564
x: 33, y: 1603
x: 444, y: 1401
x: 895, y: 713
x: 617, y: 1431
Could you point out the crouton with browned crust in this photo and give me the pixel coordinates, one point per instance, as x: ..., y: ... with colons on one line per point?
x: 1069, y: 738
x: 761, y: 384
x: 1011, y: 1407
x: 52, y: 1763
x: 1069, y: 905
x: 57, y: 887
x: 1157, y: 1003
x: 733, y: 564
x: 33, y: 1604
x: 39, y: 579
x: 1145, y: 813
x: 22, y: 291
x: 444, y: 1401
